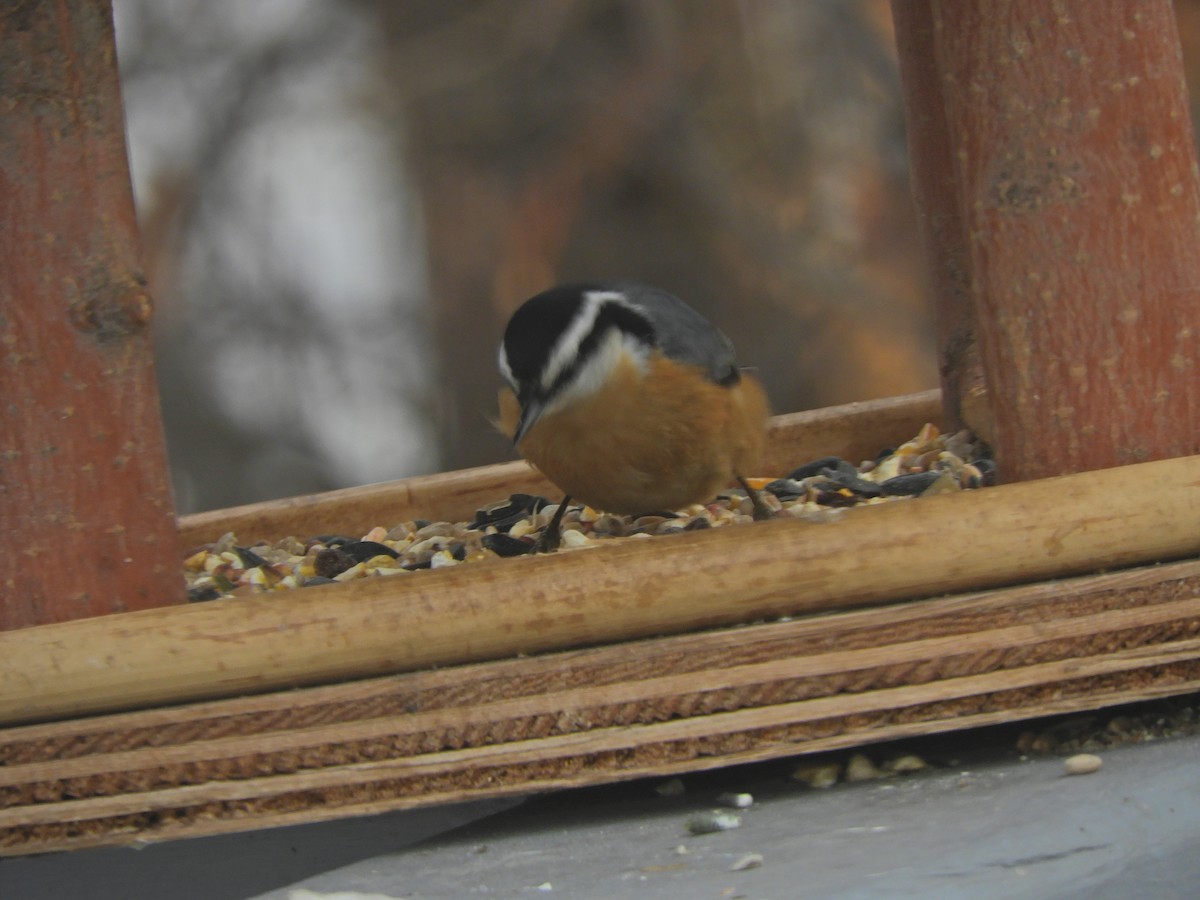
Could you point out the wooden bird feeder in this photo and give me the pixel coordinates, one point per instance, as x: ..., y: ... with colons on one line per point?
x: 1054, y: 169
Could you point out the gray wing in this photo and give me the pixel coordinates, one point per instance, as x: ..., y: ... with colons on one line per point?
x: 683, y: 333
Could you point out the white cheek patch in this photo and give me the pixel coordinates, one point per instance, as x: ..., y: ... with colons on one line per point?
x: 595, y: 373
x: 505, y: 369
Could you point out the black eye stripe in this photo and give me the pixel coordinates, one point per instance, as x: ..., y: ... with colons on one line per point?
x: 611, y: 315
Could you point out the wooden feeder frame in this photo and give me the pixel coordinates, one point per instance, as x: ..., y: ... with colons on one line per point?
x: 633, y: 658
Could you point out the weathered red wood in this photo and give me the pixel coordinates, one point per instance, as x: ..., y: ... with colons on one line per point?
x: 1069, y: 135
x: 85, y: 507
x: 943, y: 235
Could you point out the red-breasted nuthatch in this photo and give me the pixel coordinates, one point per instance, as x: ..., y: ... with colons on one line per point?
x: 628, y: 400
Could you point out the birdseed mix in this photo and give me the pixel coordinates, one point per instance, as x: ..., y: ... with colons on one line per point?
x: 930, y: 463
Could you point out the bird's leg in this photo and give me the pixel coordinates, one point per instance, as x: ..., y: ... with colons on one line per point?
x: 761, y: 510
x: 551, y: 535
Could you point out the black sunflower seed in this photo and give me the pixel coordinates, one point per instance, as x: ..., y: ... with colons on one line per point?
x: 361, y: 551
x: 505, y: 516
x: 504, y: 545
x: 817, y: 466
x: 909, y: 485
x: 785, y: 489
x: 250, y: 559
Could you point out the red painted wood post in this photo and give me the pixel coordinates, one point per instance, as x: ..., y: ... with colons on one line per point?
x: 1067, y: 127
x: 85, y: 509
x: 936, y: 194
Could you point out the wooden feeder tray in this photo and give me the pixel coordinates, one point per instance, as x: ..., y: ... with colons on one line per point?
x: 634, y: 658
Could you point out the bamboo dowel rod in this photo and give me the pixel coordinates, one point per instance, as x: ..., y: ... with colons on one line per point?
x: 626, y: 589
x: 853, y: 431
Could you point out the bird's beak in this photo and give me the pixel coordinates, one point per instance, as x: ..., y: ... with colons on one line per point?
x: 531, y: 411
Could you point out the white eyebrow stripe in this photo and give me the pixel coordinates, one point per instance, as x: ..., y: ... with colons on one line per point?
x: 567, y: 346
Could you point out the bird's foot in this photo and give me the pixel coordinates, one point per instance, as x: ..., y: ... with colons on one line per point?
x: 551, y: 537
x: 762, y: 511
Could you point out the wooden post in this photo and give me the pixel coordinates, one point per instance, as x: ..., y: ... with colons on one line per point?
x: 943, y: 236
x: 1066, y: 128
x: 85, y: 507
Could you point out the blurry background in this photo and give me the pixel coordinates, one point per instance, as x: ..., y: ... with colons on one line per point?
x: 342, y: 201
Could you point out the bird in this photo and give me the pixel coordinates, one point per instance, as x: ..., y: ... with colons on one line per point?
x: 628, y: 400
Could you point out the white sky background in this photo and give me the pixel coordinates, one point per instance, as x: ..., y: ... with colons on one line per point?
x: 310, y: 205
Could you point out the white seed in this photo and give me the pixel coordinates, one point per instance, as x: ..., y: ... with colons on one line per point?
x: 736, y: 801
x: 257, y: 577
x: 522, y: 528
x: 747, y: 861
x: 435, y: 529
x: 887, y: 468
x: 355, y: 571
x: 442, y: 559
x: 713, y: 820
x: 1082, y: 764
x: 575, y: 539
